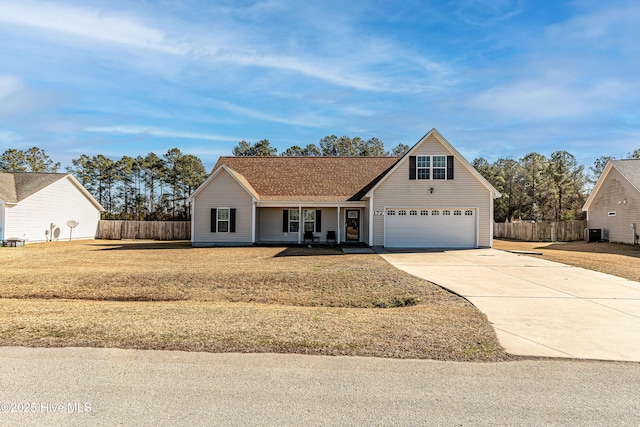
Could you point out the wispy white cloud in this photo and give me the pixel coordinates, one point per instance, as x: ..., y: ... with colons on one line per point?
x: 308, y: 120
x: 322, y: 70
x: 10, y: 139
x: 360, y: 66
x: 548, y: 99
x: 95, y: 24
x: 18, y: 98
x: 486, y: 12
x: 9, y: 85
x: 601, y: 25
x: 158, y: 132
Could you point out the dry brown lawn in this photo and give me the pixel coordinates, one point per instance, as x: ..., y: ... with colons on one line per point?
x: 612, y: 258
x: 158, y: 295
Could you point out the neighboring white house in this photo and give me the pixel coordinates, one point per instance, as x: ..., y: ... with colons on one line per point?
x: 429, y: 198
x: 614, y: 203
x: 37, y: 207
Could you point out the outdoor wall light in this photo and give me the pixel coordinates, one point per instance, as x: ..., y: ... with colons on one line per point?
x: 431, y: 190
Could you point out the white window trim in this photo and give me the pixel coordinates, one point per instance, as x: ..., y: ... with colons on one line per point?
x: 439, y: 168
x: 305, y: 221
x: 431, y: 168
x: 218, y: 220
x: 293, y: 221
x: 420, y: 168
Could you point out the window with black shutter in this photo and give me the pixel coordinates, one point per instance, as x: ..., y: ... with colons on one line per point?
x: 412, y: 167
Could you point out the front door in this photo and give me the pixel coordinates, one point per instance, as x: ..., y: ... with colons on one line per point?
x: 353, y: 225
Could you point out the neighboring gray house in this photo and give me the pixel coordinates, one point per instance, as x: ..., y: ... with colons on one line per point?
x: 430, y: 198
x: 614, y: 203
x: 37, y: 206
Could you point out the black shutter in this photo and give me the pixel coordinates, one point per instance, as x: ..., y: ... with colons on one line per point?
x: 318, y: 220
x: 285, y: 221
x: 232, y: 220
x: 412, y: 167
x: 214, y: 220
x: 449, y: 167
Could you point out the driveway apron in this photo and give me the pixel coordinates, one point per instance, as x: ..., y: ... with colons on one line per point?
x: 538, y: 307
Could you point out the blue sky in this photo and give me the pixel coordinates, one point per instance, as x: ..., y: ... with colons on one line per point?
x: 498, y: 78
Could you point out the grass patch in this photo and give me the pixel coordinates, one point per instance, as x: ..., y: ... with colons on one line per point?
x: 158, y: 295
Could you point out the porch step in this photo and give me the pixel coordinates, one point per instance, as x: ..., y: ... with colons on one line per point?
x: 357, y: 250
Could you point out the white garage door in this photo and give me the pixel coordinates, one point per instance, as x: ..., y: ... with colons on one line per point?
x: 430, y: 228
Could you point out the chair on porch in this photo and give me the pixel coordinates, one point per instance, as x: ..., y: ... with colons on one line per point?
x: 331, y: 237
x: 308, y: 235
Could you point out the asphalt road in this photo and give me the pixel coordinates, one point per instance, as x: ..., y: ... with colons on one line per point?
x: 73, y: 386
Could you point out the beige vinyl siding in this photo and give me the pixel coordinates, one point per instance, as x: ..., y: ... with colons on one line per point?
x: 329, y: 222
x: 270, y: 224
x: 464, y: 191
x: 610, y: 198
x: 57, y: 203
x: 223, y: 191
x: 1, y: 219
x: 364, y: 224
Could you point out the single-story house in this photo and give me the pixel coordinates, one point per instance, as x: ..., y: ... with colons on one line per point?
x: 432, y: 197
x: 614, y: 203
x: 36, y: 207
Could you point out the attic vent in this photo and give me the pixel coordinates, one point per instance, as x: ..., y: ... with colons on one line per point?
x: 612, y: 213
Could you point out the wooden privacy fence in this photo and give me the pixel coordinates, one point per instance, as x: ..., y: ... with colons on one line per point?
x: 563, y: 231
x: 157, y: 230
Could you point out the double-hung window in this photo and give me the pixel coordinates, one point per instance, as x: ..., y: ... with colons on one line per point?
x: 423, y: 167
x: 294, y: 220
x: 309, y: 216
x: 223, y: 220
x: 439, y: 167
x: 431, y: 167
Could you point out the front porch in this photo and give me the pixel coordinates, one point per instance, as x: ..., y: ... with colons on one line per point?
x: 312, y: 224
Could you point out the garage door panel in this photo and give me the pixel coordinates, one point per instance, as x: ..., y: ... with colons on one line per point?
x: 434, y: 230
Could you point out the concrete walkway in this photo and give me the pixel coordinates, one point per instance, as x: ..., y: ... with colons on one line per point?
x: 539, y: 307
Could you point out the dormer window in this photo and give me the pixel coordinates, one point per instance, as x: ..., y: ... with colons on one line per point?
x: 432, y: 167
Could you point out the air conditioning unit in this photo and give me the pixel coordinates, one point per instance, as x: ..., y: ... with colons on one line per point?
x: 595, y: 235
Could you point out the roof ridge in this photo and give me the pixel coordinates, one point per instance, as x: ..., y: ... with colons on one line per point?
x: 310, y: 177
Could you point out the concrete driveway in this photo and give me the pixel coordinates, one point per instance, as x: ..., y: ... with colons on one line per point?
x: 538, y: 307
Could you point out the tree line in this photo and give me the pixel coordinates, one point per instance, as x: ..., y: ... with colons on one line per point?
x: 540, y: 188
x: 140, y: 188
x: 534, y: 187
x: 331, y: 145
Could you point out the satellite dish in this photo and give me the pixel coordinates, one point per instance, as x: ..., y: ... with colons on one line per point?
x: 72, y: 224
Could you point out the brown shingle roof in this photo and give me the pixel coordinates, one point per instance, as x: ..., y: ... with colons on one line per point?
x: 310, y: 178
x: 17, y: 186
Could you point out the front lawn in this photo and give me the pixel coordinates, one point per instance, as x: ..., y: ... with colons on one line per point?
x: 158, y: 295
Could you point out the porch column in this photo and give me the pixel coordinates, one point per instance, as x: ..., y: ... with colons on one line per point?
x: 339, y: 227
x: 371, y: 213
x: 300, y: 223
x: 253, y: 222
